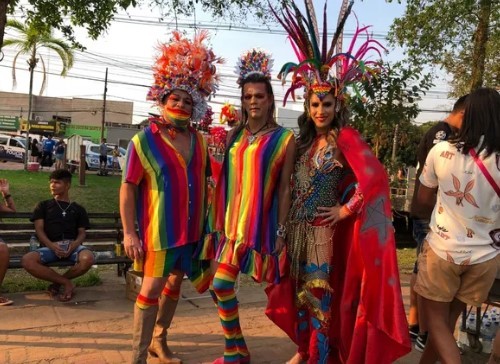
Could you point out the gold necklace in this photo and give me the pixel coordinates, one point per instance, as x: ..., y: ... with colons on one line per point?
x: 63, y: 210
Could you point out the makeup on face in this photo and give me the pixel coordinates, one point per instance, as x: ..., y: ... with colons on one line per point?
x: 322, y: 111
x: 178, y: 108
x: 256, y: 101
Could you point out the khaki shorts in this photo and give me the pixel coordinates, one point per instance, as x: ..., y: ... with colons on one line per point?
x: 442, y: 281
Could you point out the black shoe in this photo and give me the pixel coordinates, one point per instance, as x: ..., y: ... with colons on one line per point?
x: 413, y: 329
x: 421, y: 341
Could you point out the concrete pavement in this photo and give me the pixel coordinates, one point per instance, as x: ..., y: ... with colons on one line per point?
x: 96, y: 328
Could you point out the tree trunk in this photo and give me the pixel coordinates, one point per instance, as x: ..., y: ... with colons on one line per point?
x: 32, y: 64
x: 3, y: 21
x: 480, y: 39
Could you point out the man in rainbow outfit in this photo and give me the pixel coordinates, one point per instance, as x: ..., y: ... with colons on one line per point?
x: 164, y: 189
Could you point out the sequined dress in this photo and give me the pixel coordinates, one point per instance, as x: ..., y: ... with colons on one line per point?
x: 315, y: 183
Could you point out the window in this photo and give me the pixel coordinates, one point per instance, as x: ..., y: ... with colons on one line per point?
x: 3, y: 140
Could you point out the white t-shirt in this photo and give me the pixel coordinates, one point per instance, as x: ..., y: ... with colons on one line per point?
x: 467, y: 206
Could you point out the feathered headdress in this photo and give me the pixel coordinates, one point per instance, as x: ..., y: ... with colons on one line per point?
x: 229, y: 114
x: 254, y: 61
x: 319, y: 68
x: 185, y: 65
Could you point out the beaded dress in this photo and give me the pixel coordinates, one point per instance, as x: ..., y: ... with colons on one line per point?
x: 315, y: 183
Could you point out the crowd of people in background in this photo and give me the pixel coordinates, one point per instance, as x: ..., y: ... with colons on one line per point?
x: 47, y: 152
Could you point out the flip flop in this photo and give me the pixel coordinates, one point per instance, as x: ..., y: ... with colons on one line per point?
x: 67, y: 296
x: 53, y: 289
x: 5, y: 301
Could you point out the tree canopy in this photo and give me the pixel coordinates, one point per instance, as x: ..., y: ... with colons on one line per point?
x: 389, y: 100
x: 96, y: 15
x: 462, y: 37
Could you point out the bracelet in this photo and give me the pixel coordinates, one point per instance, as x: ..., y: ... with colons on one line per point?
x: 281, y: 232
x: 5, y: 197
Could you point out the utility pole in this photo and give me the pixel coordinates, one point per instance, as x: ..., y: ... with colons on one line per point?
x: 104, y: 104
x: 395, y: 143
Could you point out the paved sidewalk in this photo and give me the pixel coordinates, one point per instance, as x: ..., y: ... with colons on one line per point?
x: 96, y: 328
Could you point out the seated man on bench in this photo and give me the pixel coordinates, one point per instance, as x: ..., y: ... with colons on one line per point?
x: 60, y: 226
x: 9, y: 206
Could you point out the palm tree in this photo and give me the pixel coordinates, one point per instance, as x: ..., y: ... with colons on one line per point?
x: 30, y: 39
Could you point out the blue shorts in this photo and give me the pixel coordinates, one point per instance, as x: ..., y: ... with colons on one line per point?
x: 420, y: 230
x: 47, y: 255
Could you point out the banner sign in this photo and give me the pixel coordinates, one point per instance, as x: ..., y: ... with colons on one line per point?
x: 56, y: 128
x: 10, y: 123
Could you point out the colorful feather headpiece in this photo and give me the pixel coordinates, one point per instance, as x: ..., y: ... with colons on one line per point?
x: 229, y: 114
x: 319, y: 69
x: 254, y: 61
x: 185, y: 65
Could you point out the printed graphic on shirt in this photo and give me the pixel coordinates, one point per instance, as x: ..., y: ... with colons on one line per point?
x: 439, y: 136
x: 447, y: 155
x: 459, y: 195
x: 442, y: 232
x: 440, y: 209
x: 495, y: 235
x: 482, y: 219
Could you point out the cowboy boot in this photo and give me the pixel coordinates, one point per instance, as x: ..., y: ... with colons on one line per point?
x: 158, y: 347
x: 144, y: 322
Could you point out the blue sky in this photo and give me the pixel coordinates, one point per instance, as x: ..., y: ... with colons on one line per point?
x: 128, y: 48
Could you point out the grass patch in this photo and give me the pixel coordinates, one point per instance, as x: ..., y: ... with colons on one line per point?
x: 18, y: 280
x: 100, y: 194
x: 406, y: 260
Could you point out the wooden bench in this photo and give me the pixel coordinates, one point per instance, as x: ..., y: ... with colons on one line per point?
x: 104, y: 237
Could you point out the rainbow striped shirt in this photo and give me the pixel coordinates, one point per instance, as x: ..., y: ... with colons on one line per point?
x: 247, y: 202
x: 171, y: 203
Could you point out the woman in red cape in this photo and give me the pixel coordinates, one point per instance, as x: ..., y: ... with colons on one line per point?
x: 342, y: 300
x: 368, y: 319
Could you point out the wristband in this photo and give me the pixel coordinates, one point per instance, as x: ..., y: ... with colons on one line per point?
x: 356, y: 202
x: 281, y: 232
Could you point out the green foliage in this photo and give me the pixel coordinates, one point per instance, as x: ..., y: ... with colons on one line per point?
x: 233, y: 10
x: 391, y: 99
x: 93, y: 15
x: 450, y: 34
x: 96, y: 15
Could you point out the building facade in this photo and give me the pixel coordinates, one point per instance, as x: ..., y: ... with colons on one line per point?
x: 64, y: 117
